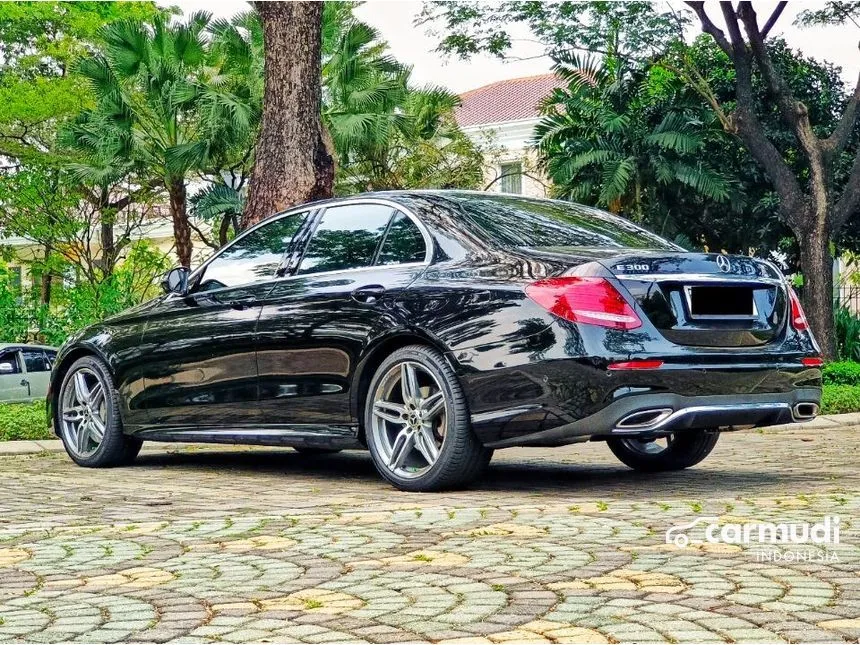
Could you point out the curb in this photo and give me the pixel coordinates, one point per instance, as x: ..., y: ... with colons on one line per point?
x: 55, y: 445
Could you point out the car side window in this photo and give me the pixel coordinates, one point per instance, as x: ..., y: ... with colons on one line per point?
x: 9, y: 363
x: 403, y: 243
x: 346, y: 238
x: 36, y: 361
x: 253, y: 257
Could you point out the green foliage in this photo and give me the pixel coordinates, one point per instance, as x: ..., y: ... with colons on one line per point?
x: 630, y: 30
x: 840, y: 399
x: 39, y: 43
x: 841, y: 373
x: 23, y: 318
x: 847, y: 332
x: 627, y: 139
x: 23, y: 421
x: 386, y: 133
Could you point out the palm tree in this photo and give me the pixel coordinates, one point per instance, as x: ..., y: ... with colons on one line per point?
x: 386, y: 133
x: 167, y: 104
x: 616, y: 137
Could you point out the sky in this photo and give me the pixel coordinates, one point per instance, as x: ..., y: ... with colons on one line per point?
x: 412, y: 44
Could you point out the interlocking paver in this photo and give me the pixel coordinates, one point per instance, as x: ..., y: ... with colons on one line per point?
x: 555, y: 545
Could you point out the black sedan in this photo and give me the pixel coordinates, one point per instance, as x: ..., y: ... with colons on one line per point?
x: 434, y: 327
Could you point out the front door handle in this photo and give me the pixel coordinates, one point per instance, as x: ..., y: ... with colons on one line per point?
x: 369, y: 294
x: 239, y: 306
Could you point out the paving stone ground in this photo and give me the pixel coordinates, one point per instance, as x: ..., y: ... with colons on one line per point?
x: 560, y: 545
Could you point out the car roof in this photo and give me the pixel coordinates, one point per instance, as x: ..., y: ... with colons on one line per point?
x: 25, y: 346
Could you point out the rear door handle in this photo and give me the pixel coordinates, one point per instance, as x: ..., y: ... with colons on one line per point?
x: 369, y: 294
x: 239, y: 306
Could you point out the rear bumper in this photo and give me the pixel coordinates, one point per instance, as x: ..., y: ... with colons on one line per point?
x: 651, y: 415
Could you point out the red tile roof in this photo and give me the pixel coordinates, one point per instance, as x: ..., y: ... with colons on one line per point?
x: 513, y: 99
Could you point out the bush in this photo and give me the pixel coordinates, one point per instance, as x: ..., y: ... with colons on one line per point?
x: 23, y: 421
x: 847, y: 331
x: 841, y: 373
x: 840, y: 399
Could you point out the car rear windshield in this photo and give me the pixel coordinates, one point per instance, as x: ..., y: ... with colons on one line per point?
x: 518, y: 221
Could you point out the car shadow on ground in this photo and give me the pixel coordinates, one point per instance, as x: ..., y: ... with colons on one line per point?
x: 539, y: 476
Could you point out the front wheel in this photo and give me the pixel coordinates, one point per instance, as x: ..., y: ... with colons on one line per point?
x: 417, y: 423
x: 88, y: 417
x: 673, y: 452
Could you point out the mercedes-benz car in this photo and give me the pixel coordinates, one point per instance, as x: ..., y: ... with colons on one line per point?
x: 433, y: 327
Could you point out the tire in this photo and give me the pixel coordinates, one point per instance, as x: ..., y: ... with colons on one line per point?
x: 393, y: 419
x: 306, y: 450
x: 684, y: 449
x: 113, y: 448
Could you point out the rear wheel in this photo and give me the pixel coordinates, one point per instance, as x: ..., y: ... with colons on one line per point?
x: 417, y: 423
x: 88, y: 417
x: 673, y: 452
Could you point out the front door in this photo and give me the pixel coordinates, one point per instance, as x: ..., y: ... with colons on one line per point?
x: 315, y: 325
x: 202, y: 367
x: 13, y: 385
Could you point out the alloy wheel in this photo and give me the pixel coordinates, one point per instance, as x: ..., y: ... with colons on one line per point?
x: 409, y: 418
x: 83, y: 412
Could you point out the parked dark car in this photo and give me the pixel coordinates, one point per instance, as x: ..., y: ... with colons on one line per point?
x: 434, y: 327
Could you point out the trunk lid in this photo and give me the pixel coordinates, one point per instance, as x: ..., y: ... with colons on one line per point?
x: 706, y: 299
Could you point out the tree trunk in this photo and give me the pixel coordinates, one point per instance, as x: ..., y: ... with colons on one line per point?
x: 292, y: 163
x: 45, y: 291
x: 817, y: 267
x: 179, y: 213
x: 107, y: 243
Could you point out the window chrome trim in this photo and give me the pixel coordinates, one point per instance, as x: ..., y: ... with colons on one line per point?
x: 318, y: 212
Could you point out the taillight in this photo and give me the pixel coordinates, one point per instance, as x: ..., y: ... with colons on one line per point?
x: 812, y: 361
x: 640, y: 364
x: 798, y: 318
x: 593, y: 301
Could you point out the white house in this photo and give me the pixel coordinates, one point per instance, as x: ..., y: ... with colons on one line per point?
x: 503, y: 115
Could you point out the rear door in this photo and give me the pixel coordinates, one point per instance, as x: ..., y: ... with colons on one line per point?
x: 316, y: 324
x: 202, y: 366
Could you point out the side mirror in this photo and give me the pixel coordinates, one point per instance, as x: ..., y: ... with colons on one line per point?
x: 6, y: 368
x: 176, y: 281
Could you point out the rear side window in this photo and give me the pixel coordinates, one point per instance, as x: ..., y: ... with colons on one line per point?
x: 512, y: 221
x: 346, y: 238
x: 403, y: 242
x: 253, y: 257
x: 36, y: 361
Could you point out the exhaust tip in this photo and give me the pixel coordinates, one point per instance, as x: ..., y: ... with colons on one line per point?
x: 644, y: 419
x: 804, y: 411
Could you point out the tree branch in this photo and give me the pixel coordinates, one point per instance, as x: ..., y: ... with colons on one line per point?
x: 838, y: 139
x: 780, y: 7
x: 850, y: 198
x: 710, y: 28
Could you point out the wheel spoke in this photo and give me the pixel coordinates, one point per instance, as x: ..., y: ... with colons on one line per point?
x: 390, y: 411
x: 402, y: 446
x: 82, y: 438
x: 425, y: 442
x: 73, y: 415
x: 433, y: 405
x: 409, y: 383
x: 97, y: 429
x: 97, y: 395
x: 82, y: 390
